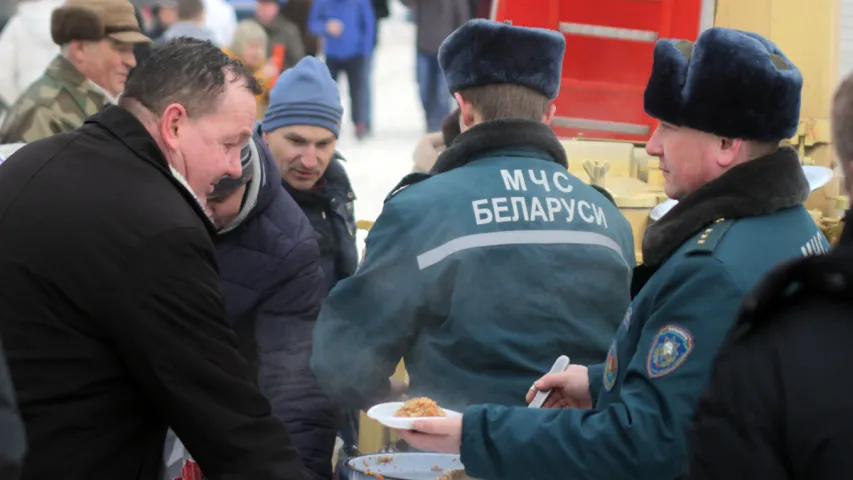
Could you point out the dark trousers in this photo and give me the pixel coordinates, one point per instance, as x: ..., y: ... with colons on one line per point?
x: 356, y: 71
x: 433, y: 90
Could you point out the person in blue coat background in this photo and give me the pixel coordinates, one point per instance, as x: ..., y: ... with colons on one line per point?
x: 348, y: 28
x: 724, y: 104
x: 483, y: 272
x: 273, y: 286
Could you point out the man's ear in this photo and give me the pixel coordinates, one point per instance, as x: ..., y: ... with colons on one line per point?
x: 729, y: 149
x: 466, y: 111
x: 172, y: 123
x: 75, y: 50
x: 552, y: 110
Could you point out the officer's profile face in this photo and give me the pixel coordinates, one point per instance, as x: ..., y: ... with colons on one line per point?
x: 688, y: 158
x: 224, y: 209
x: 302, y: 153
x: 106, y: 62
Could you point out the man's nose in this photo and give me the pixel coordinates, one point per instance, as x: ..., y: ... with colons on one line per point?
x: 309, y: 158
x: 234, y: 167
x: 654, y: 147
x: 129, y: 60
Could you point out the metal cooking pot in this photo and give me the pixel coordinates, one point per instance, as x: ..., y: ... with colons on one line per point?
x: 401, y: 466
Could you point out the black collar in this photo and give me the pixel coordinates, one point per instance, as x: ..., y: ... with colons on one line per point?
x: 481, y: 139
x: 757, y: 187
x: 128, y: 130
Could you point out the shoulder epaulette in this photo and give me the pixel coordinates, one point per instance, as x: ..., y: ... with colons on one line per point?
x: 407, y: 181
x: 707, y: 240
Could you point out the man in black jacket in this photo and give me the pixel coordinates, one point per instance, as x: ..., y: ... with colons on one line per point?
x: 778, y: 405
x: 113, y: 320
x: 273, y: 288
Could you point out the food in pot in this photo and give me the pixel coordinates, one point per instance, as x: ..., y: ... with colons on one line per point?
x: 420, y: 407
x: 453, y: 475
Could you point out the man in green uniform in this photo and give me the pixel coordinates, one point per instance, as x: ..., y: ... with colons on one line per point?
x: 724, y: 105
x: 97, y: 39
x: 483, y: 272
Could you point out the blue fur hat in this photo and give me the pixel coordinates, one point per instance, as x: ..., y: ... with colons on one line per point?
x: 730, y: 83
x: 485, y: 52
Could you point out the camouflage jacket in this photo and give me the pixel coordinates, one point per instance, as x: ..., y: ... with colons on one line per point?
x: 59, y: 101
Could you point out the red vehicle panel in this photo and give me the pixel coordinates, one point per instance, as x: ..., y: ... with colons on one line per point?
x: 608, y: 57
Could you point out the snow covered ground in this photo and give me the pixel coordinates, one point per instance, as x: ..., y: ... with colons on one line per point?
x: 377, y: 164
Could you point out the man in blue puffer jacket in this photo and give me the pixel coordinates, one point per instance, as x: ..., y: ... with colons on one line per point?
x: 273, y: 286
x: 301, y: 128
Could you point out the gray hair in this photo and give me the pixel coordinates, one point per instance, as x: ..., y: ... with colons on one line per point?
x: 188, y: 71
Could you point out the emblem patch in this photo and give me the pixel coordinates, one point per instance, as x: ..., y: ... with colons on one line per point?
x: 670, y: 348
x: 611, y: 368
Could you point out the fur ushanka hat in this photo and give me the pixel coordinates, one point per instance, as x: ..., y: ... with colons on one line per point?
x: 485, y: 52
x: 95, y: 20
x: 730, y: 83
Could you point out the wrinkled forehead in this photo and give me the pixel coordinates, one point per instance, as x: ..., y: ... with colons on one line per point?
x: 233, y: 126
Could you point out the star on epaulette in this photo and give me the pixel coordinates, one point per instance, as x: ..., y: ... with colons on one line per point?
x: 710, y: 237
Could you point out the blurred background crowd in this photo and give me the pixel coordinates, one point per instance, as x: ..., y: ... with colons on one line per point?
x: 268, y: 36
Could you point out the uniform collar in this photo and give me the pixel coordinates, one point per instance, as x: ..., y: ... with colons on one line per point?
x: 757, y: 187
x: 486, y: 138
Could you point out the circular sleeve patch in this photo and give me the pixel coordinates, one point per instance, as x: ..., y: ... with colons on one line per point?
x: 611, y: 368
x: 670, y: 348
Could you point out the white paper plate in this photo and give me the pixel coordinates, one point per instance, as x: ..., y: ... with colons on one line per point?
x: 816, y: 175
x: 384, y: 414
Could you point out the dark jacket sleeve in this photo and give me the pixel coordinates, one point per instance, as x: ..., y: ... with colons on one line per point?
x: 773, y: 407
x: 12, y: 439
x: 168, y: 322
x: 283, y: 331
x: 369, y: 320
x: 644, y: 435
